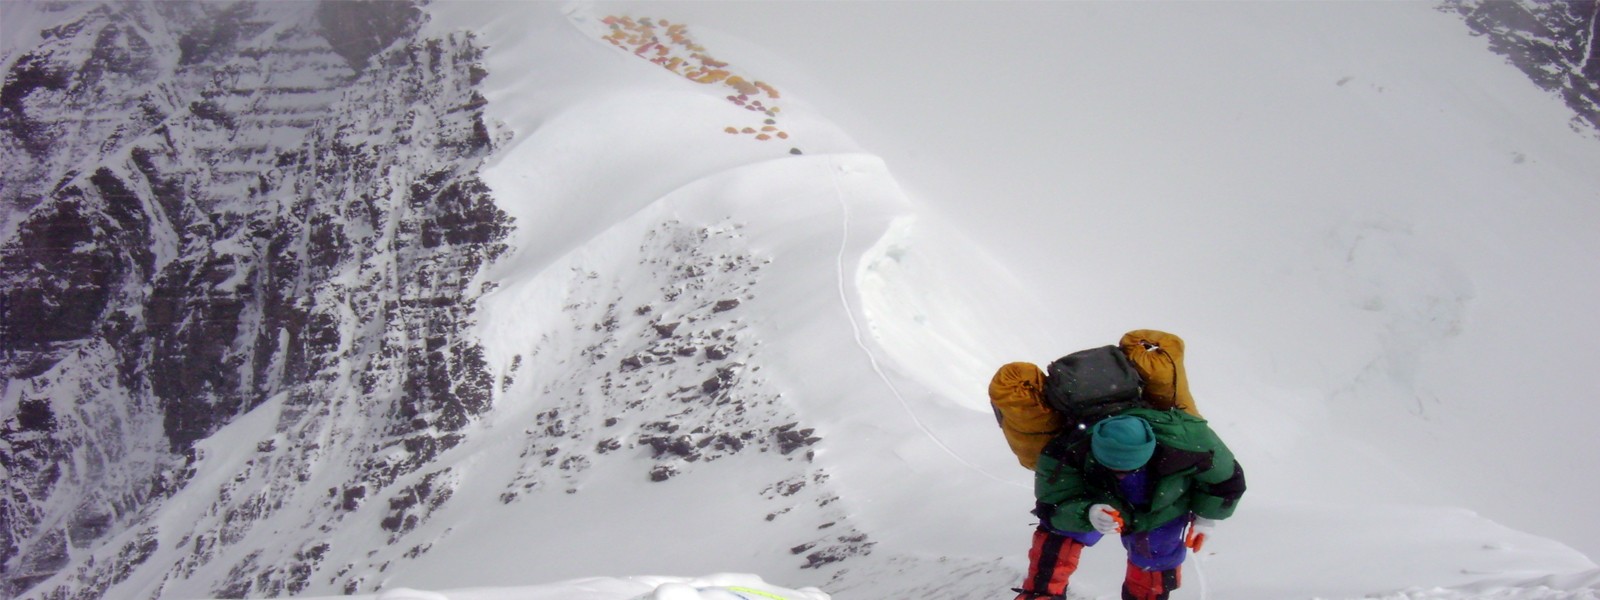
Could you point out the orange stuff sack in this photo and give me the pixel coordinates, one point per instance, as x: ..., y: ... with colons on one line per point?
x: 1016, y: 393
x: 1158, y: 356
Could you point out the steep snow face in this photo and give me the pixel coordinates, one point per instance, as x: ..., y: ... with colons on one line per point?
x: 1364, y: 237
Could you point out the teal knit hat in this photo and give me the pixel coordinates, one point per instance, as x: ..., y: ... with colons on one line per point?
x: 1123, y: 443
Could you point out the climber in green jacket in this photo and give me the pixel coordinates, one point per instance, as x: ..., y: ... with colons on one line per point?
x: 1159, y: 478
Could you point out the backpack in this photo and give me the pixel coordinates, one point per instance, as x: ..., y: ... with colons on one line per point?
x: 1158, y: 356
x: 1093, y: 384
x: 1017, y: 394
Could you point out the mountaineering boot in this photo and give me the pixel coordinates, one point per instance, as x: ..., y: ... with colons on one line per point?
x: 1149, y: 585
x: 1051, y: 562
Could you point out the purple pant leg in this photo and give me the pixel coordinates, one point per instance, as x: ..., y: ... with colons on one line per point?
x: 1087, y: 538
x: 1159, y: 549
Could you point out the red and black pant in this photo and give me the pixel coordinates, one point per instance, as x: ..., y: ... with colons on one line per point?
x: 1140, y: 584
x: 1051, y: 562
x: 1054, y: 558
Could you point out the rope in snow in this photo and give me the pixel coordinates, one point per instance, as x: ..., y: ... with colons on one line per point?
x: 844, y: 299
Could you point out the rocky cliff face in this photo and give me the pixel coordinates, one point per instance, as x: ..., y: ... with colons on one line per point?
x: 266, y: 218
x: 207, y: 206
x: 1552, y: 42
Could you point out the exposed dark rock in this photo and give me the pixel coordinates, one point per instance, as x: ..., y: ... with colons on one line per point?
x: 662, y: 473
x: 58, y: 281
x: 353, y: 497
x: 35, y: 415
x: 1553, y: 43
x: 790, y: 438
x: 838, y: 549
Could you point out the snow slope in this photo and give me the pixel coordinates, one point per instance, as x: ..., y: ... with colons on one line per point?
x: 1362, y: 183
x: 1369, y: 230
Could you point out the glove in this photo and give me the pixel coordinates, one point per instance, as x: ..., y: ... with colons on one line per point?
x: 1199, y: 532
x: 1105, y: 518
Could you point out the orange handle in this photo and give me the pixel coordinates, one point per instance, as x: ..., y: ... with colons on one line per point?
x: 1195, y: 539
x: 1116, y: 516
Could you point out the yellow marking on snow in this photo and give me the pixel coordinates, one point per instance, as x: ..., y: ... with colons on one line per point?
x: 756, y: 592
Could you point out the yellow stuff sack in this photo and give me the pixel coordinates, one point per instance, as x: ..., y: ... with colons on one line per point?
x: 1158, y: 356
x: 1016, y: 393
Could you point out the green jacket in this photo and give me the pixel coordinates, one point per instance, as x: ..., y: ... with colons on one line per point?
x: 1191, y: 470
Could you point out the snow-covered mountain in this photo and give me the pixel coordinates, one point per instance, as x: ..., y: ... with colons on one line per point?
x: 216, y: 211
x: 342, y: 297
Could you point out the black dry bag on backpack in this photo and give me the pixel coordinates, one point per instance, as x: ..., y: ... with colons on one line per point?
x: 1093, y: 384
